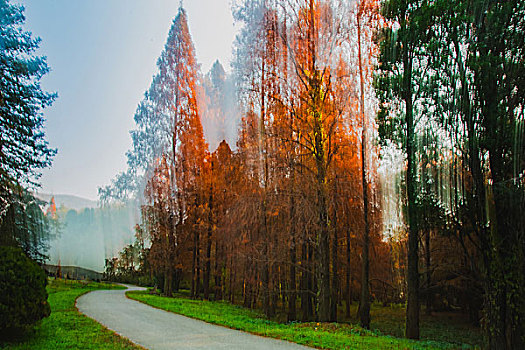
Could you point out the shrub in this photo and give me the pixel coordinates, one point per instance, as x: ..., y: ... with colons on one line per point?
x: 23, y: 295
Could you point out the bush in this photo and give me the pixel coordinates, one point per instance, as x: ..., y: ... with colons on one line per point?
x: 23, y: 295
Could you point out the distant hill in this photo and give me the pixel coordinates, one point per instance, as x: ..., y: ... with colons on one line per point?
x: 68, y: 201
x: 73, y: 272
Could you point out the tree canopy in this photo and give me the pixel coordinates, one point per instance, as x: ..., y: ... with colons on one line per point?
x: 24, y: 149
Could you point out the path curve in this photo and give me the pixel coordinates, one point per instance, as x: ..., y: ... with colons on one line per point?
x: 158, y: 329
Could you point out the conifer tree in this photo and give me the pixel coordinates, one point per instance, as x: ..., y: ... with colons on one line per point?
x: 23, y: 146
x: 170, y: 139
x: 401, y: 79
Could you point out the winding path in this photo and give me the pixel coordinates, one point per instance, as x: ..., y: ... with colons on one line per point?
x: 158, y: 329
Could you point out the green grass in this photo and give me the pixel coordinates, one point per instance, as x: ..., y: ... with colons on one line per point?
x: 66, y: 328
x: 444, y: 327
x: 322, y: 336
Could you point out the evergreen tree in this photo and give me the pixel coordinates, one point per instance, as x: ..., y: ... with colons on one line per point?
x: 498, y: 66
x: 26, y: 226
x: 23, y: 146
x: 401, y: 79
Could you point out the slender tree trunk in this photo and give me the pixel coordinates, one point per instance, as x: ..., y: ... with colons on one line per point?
x: 292, y: 293
x: 231, y: 291
x: 323, y: 268
x: 505, y: 313
x: 306, y: 282
x: 168, y: 274
x: 335, y: 278
x: 412, y: 316
x: 428, y: 274
x: 218, y: 273
x: 320, y: 156
x: 364, y: 302
x: 255, y: 283
x: 348, y: 274
x: 275, y: 277
x: 193, y: 268
x: 196, y: 276
x: 207, y: 268
x: 323, y: 246
x: 247, y: 285
x: 263, y: 163
x: 313, y: 286
x: 265, y: 272
x: 168, y: 270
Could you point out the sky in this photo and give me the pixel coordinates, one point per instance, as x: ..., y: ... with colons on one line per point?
x: 102, y: 55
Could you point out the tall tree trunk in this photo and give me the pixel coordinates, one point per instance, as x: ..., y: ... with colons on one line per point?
x: 247, y: 297
x: 275, y: 280
x: 193, y: 268
x: 412, y: 313
x: 335, y: 278
x: 231, y: 291
x: 505, y: 273
x: 168, y: 270
x: 196, y: 259
x: 207, y: 268
x: 218, y: 273
x: 323, y: 268
x: 364, y: 302
x: 168, y: 274
x: 306, y: 283
x: 265, y: 270
x: 292, y: 290
x: 428, y: 274
x: 348, y: 276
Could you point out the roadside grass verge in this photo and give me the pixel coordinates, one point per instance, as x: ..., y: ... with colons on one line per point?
x: 66, y: 327
x: 447, y: 327
x: 318, y: 335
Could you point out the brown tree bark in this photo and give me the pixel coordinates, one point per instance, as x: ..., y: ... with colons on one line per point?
x: 364, y: 302
x: 207, y: 267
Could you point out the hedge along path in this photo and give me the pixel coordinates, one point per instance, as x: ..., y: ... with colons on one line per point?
x: 158, y: 329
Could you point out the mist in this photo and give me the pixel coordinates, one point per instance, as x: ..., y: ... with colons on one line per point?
x: 87, y: 236
x: 218, y: 106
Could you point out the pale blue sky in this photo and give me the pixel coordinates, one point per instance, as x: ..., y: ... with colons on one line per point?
x: 102, y: 54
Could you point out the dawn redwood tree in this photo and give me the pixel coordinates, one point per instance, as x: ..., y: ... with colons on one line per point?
x: 257, y: 68
x: 169, y: 141
x: 156, y: 219
x: 301, y: 87
x: 317, y: 119
x: 177, y: 96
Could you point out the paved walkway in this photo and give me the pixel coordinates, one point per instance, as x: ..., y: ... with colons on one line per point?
x: 157, y: 329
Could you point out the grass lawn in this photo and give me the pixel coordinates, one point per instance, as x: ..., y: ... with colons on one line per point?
x: 322, y: 336
x: 445, y: 327
x: 66, y: 328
